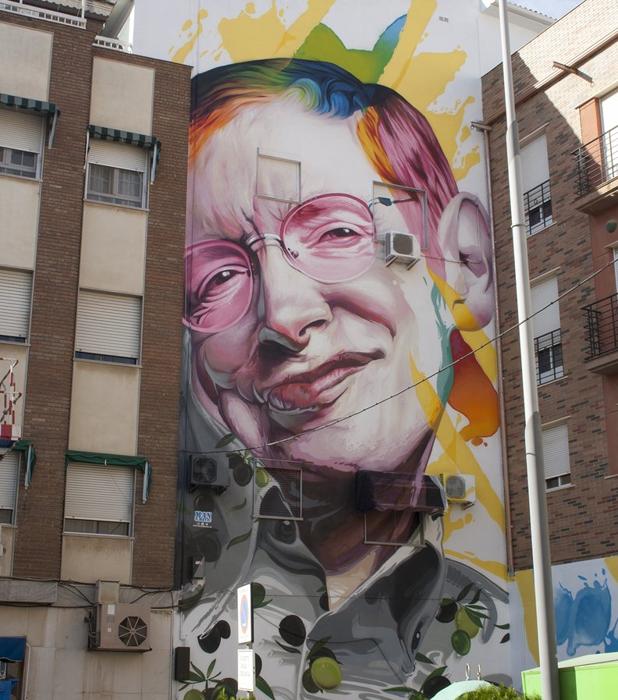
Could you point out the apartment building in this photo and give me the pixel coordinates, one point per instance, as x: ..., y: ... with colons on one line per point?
x: 93, y: 144
x: 566, y: 92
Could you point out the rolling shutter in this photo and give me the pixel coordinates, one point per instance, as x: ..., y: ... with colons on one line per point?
x: 108, y: 324
x: 15, y: 295
x: 21, y: 131
x: 117, y: 155
x: 542, y: 294
x: 9, y: 466
x: 534, y: 163
x: 95, y: 492
x: 556, y: 451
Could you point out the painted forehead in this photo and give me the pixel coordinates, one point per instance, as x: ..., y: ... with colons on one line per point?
x: 223, y: 177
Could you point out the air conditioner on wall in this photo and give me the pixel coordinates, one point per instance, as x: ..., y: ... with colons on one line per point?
x: 460, y: 489
x: 209, y: 472
x: 120, y: 627
x: 402, y: 248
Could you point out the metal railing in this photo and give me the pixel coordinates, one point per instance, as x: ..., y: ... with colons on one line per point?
x: 110, y: 43
x: 20, y: 8
x: 601, y: 327
x: 548, y: 355
x: 597, y: 162
x: 537, y: 207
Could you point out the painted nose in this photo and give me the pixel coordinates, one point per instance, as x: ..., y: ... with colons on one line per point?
x: 292, y: 304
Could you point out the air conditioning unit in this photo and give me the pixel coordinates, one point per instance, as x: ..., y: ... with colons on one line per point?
x: 402, y: 248
x: 460, y: 489
x: 120, y: 627
x: 208, y: 472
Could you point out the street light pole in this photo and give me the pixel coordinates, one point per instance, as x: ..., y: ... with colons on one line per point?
x: 541, y: 555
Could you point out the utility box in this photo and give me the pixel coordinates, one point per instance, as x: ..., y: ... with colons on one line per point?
x: 591, y: 677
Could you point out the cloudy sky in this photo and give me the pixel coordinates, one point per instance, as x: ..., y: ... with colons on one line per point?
x: 554, y: 8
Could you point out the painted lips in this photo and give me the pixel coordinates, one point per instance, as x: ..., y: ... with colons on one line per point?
x: 312, y: 390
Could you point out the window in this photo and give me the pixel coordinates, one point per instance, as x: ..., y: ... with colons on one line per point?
x: 98, y: 499
x: 108, y: 327
x: 9, y: 470
x: 117, y: 173
x: 546, y: 328
x: 15, y: 292
x: 21, y: 137
x: 556, y: 456
x: 535, y: 177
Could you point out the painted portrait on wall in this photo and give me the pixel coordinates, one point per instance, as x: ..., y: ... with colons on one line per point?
x: 333, y: 269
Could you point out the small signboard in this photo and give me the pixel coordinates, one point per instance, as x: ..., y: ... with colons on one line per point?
x: 246, y: 669
x: 202, y: 518
x: 245, y: 614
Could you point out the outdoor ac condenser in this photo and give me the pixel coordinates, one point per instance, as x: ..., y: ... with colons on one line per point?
x: 120, y: 627
x: 459, y: 488
x: 402, y: 248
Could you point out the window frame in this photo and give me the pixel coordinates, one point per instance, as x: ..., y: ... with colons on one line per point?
x: 98, y: 522
x: 115, y: 198
x: 18, y: 339
x: 11, y: 170
x: 89, y: 355
x: 13, y: 511
x: 563, y: 479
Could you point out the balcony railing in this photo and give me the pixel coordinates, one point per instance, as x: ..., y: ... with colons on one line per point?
x: 601, y: 327
x: 20, y: 8
x: 537, y: 204
x: 597, y: 162
x: 548, y: 354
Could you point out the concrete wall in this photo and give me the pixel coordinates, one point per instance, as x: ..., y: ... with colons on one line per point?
x: 25, y: 56
x: 61, y: 668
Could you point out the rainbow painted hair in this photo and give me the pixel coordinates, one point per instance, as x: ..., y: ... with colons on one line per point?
x: 396, y: 137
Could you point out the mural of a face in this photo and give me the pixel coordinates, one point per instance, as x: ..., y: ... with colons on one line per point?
x: 295, y: 319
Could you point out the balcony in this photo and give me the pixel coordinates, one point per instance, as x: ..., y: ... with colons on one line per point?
x: 537, y: 207
x: 602, y: 335
x: 597, y: 172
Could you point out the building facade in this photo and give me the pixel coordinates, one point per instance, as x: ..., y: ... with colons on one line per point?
x: 339, y: 279
x: 93, y: 143
x: 566, y: 101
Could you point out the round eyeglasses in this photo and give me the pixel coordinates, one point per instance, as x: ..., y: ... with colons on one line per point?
x: 329, y: 238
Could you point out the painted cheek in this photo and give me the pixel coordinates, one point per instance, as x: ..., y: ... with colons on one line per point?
x: 228, y: 351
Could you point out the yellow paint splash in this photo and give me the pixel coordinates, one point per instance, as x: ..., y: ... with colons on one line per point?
x: 454, y: 446
x: 247, y: 37
x: 422, y: 78
x: 525, y: 584
x: 181, y: 54
x: 612, y: 564
x: 451, y: 523
x: 497, y: 568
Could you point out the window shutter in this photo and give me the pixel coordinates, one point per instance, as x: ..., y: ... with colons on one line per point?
x: 108, y: 324
x: 21, y: 131
x: 556, y: 451
x: 117, y: 155
x: 9, y: 466
x: 15, y: 293
x: 534, y: 164
x: 95, y: 492
x: 542, y: 294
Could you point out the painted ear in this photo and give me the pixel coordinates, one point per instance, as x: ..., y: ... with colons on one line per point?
x: 465, y: 238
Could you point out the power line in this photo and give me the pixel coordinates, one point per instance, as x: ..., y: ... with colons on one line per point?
x: 336, y: 421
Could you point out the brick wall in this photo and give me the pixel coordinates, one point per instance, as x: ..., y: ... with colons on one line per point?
x: 583, y: 518
x: 50, y: 364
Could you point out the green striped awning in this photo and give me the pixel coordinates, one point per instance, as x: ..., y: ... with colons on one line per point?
x: 26, y: 103
x: 141, y: 140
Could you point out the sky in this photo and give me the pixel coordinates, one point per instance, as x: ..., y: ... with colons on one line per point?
x: 553, y: 8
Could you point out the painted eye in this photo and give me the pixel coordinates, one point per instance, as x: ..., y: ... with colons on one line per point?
x: 342, y: 232
x: 221, y: 278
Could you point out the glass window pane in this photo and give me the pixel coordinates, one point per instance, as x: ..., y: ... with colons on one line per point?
x: 6, y: 516
x: 130, y: 183
x: 101, y: 179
